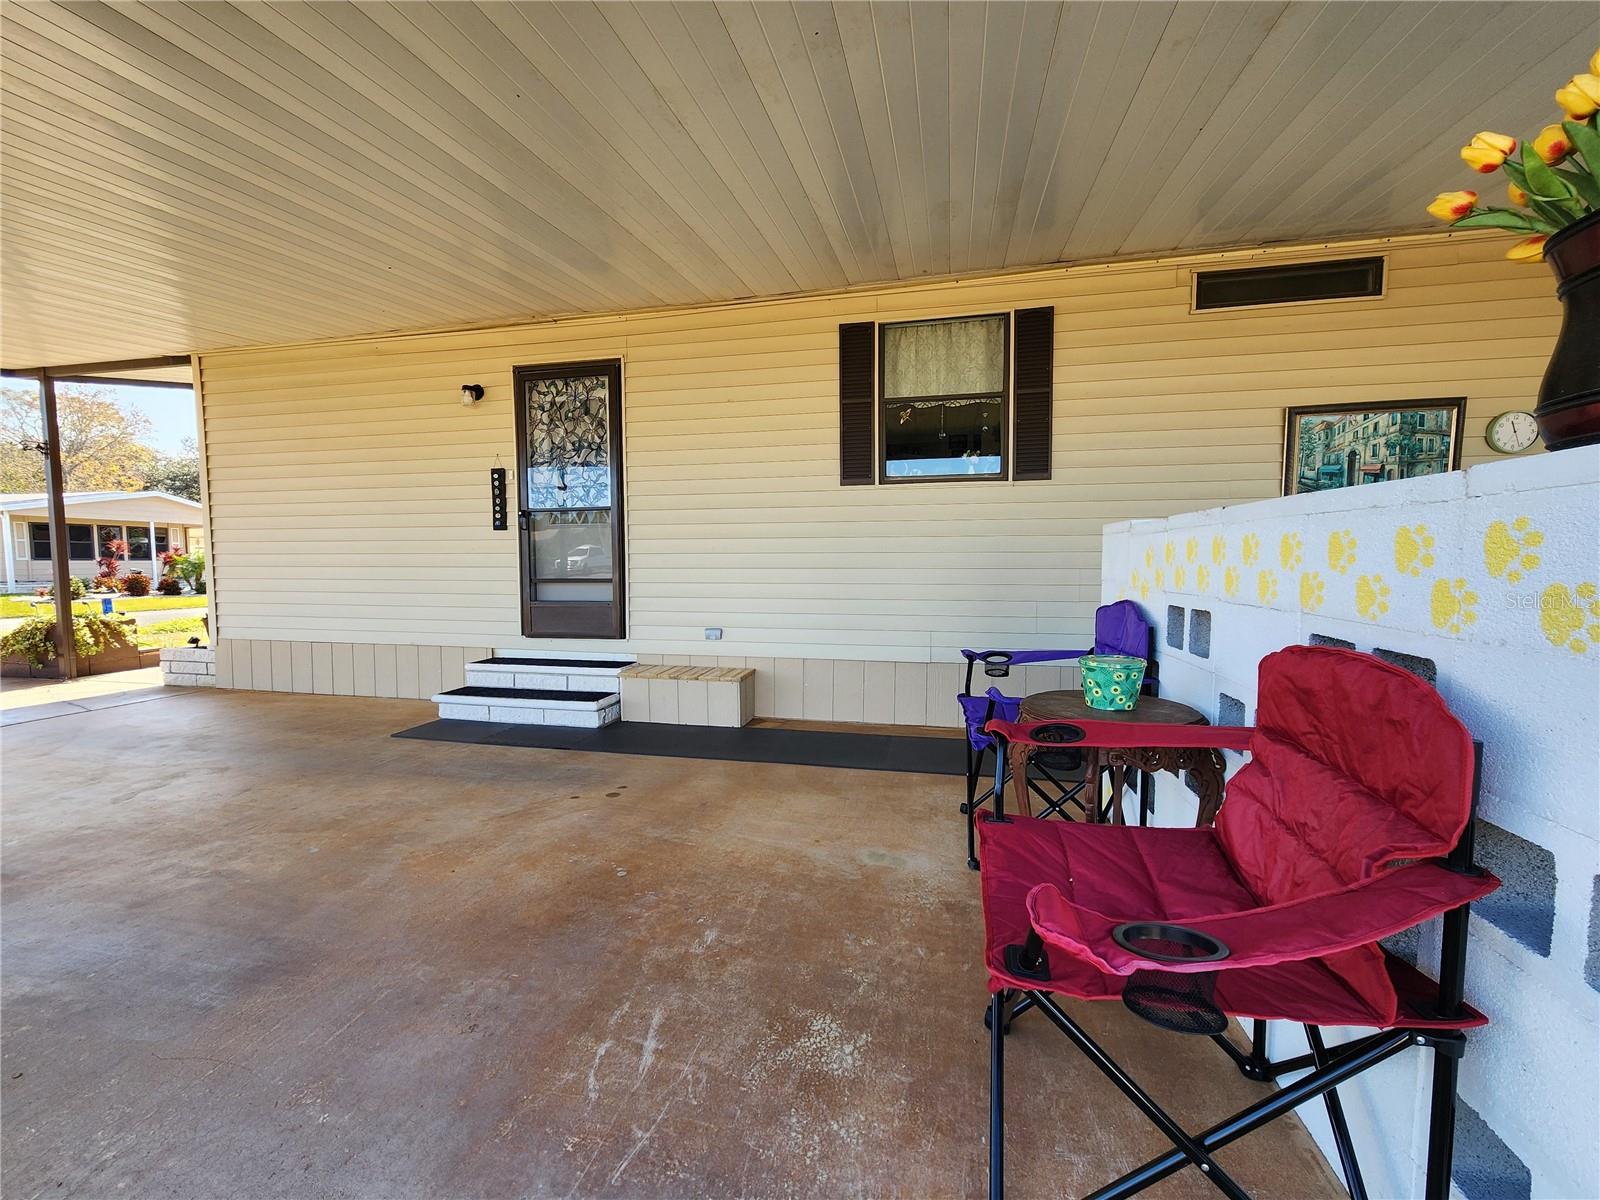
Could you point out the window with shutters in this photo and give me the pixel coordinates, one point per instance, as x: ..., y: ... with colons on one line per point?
x: 948, y: 399
x: 944, y: 387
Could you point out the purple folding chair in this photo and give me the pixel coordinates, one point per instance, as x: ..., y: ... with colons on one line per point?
x: 1119, y: 628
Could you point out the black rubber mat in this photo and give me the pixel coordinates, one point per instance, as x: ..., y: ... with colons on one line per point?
x: 800, y: 747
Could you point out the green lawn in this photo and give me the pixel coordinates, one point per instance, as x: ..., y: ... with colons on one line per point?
x: 26, y: 606
x: 172, y: 633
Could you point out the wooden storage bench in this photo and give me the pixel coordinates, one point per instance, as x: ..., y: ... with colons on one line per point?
x: 679, y: 695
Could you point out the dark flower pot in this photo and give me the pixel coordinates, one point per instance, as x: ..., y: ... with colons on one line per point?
x: 1569, y: 398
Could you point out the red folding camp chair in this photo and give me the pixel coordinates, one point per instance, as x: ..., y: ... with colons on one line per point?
x: 1352, y: 821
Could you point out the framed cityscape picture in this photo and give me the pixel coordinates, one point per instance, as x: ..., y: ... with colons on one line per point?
x: 1328, y: 446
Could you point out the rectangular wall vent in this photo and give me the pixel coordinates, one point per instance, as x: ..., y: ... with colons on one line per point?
x: 1345, y: 279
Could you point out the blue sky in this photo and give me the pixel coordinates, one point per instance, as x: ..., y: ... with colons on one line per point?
x: 171, y: 412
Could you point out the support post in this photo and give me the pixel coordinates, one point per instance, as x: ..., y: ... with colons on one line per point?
x: 55, y: 499
x: 999, y: 1003
x: 1452, y: 991
x: 206, y: 532
x: 11, y: 553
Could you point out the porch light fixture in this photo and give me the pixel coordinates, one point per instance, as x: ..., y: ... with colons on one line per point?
x: 471, y: 393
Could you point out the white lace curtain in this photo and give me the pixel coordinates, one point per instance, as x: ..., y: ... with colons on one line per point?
x: 962, y: 357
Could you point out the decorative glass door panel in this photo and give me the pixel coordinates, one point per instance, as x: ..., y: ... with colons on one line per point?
x: 569, y: 437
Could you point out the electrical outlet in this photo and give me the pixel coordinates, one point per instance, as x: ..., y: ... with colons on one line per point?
x: 713, y: 635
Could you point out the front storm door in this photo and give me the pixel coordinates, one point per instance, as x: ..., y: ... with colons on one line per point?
x: 569, y: 460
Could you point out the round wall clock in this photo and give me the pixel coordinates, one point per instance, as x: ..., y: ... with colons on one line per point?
x: 1512, y: 432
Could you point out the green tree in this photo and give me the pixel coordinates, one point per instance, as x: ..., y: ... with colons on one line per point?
x: 102, y: 444
x: 176, y: 474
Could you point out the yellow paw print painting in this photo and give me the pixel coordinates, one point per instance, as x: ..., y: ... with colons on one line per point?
x: 1250, y: 549
x: 1169, y: 553
x: 1372, y: 596
x: 1230, y: 581
x: 1570, y: 617
x: 1149, y: 557
x: 1267, y: 586
x: 1452, y: 605
x: 1413, y: 549
x: 1291, y: 551
x: 1191, y: 550
x: 1202, y: 579
x: 1178, y: 578
x: 1341, y: 550
x: 1508, y: 550
x: 1219, y: 550
x: 1311, y: 591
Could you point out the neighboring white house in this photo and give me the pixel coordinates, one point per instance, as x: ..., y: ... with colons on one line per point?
x: 150, y: 522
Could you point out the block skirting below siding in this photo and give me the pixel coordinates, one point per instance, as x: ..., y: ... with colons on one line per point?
x: 188, y: 666
x: 810, y: 689
x: 408, y: 672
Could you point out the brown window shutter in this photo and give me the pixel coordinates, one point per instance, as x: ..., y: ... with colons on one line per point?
x: 1036, y: 329
x: 857, y: 453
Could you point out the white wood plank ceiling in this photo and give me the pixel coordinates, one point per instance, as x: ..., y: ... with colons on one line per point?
x: 178, y: 177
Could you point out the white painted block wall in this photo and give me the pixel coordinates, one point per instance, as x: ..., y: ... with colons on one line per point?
x: 188, y: 666
x: 1491, y: 573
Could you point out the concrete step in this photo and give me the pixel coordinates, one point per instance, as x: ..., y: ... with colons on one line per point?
x: 530, y: 706
x: 544, y: 673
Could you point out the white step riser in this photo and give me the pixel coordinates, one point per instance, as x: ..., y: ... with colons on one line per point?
x: 524, y: 714
x: 529, y: 710
x: 545, y: 678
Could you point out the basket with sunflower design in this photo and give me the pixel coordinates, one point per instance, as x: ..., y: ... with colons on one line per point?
x: 1111, y: 681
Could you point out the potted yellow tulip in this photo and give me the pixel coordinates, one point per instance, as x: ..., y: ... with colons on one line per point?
x: 1554, y: 190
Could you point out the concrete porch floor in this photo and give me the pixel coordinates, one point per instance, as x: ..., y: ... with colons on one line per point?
x: 255, y: 947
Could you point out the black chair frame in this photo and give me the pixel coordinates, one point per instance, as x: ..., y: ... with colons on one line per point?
x: 1327, y: 1068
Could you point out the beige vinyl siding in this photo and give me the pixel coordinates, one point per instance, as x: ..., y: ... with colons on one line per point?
x: 348, y: 486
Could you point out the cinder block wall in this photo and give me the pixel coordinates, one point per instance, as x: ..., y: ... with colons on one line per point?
x: 1484, y: 582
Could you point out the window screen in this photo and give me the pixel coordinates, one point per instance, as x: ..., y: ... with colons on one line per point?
x: 944, y: 398
x: 80, y: 543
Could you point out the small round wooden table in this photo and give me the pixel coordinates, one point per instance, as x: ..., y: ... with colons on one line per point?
x: 1204, y: 764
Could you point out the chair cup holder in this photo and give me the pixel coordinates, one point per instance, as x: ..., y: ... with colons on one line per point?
x: 1058, y: 733
x: 1179, y: 1001
x: 1162, y: 941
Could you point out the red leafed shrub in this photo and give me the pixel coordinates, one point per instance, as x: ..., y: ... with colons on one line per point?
x: 115, y: 550
x: 136, y: 583
x: 169, y: 586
